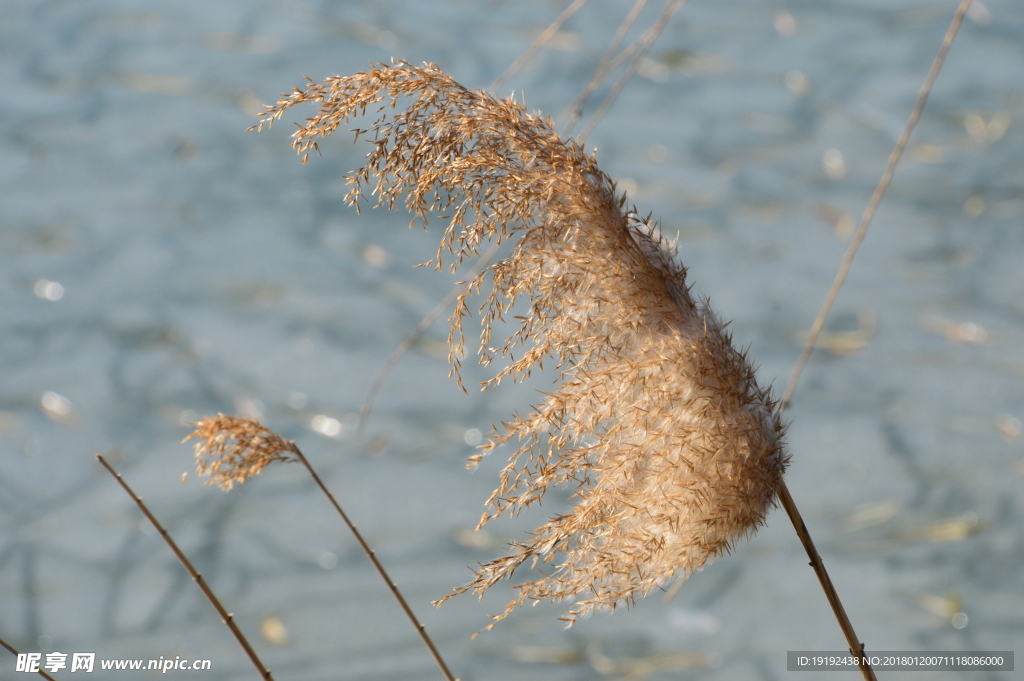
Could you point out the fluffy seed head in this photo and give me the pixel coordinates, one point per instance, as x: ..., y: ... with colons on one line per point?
x: 656, y: 421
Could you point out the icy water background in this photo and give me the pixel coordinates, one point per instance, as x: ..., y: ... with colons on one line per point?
x: 158, y: 262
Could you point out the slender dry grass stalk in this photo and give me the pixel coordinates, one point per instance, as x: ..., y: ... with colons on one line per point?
x: 641, y: 46
x: 231, y: 450
x: 14, y: 651
x: 657, y: 421
x: 575, y: 110
x: 399, y: 352
x: 226, y: 617
x: 876, y: 198
x: 856, y: 646
x: 546, y: 35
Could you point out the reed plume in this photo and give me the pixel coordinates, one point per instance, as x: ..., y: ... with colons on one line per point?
x: 656, y: 420
x: 230, y: 449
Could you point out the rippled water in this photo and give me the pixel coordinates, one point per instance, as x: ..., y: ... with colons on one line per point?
x: 157, y: 262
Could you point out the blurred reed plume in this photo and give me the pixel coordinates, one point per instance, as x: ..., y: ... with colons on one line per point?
x: 657, y: 421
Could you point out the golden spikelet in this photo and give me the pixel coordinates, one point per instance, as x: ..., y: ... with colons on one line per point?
x: 657, y: 421
x: 232, y: 449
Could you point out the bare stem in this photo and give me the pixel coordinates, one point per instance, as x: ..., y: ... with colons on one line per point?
x: 856, y: 647
x: 869, y: 212
x: 396, y: 356
x: 541, y: 40
x: 420, y: 629
x: 575, y: 109
x: 225, y: 616
x: 644, y: 44
x: 9, y: 647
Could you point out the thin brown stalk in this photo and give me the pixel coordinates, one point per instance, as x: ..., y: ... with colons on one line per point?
x: 575, y: 110
x: 225, y: 616
x: 630, y: 49
x: 231, y: 450
x: 644, y: 45
x: 425, y: 323
x: 39, y: 671
x: 869, y: 212
x: 540, y: 42
x: 854, y: 643
x: 420, y: 629
x: 856, y: 646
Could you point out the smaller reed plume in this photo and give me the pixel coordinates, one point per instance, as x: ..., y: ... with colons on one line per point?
x: 656, y: 421
x: 232, y: 449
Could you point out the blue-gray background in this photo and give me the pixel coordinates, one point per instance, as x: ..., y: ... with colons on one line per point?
x: 157, y: 262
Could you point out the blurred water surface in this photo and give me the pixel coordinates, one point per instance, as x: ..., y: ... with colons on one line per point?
x: 158, y: 262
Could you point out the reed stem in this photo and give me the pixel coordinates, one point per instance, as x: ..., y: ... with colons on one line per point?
x: 856, y: 647
x: 869, y: 212
x: 541, y: 40
x: 644, y: 44
x: 420, y: 629
x: 225, y: 616
x: 575, y: 109
x: 39, y: 671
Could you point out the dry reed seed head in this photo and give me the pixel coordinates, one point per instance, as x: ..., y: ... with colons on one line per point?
x: 232, y: 449
x: 657, y: 421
